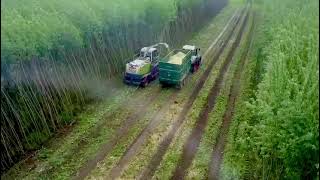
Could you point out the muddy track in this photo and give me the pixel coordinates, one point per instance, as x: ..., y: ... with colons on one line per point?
x: 120, y: 132
x: 191, y: 145
x: 157, y: 157
x: 217, y: 153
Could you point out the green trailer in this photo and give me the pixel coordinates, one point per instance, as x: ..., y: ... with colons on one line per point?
x: 174, y: 67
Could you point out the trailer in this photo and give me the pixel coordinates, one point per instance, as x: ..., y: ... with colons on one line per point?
x: 175, y: 67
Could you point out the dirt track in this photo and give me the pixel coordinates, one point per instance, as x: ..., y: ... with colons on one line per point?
x: 157, y: 157
x: 218, y: 149
x: 191, y: 146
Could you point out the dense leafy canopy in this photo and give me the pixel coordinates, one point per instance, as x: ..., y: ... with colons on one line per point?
x: 278, y: 131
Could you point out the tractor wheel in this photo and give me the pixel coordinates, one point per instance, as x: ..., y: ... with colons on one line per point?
x: 154, y: 78
x: 145, y: 83
x: 197, y: 67
x: 194, y: 68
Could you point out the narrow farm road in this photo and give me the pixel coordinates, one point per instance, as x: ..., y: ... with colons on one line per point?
x: 191, y: 145
x: 217, y: 154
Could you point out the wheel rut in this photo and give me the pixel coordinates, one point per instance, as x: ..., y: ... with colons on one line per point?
x: 148, y: 172
x: 191, y: 145
x: 217, y: 153
x: 121, y: 132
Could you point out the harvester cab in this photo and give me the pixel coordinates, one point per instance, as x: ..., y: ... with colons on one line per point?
x: 144, y: 68
x: 149, y: 54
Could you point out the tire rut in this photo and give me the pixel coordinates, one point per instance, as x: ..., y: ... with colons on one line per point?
x: 157, y: 157
x: 217, y: 153
x: 120, y: 132
x: 191, y: 145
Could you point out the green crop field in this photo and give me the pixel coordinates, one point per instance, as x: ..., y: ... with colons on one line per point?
x: 251, y: 110
x: 275, y: 133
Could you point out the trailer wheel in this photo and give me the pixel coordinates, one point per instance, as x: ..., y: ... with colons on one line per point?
x: 163, y: 85
x: 182, y: 83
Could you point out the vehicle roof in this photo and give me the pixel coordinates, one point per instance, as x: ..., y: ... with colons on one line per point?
x: 189, y: 47
x: 149, y: 49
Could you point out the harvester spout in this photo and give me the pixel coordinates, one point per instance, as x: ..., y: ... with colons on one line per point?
x: 161, y: 43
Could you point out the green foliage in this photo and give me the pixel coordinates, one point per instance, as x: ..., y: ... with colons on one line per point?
x: 32, y: 28
x: 278, y: 131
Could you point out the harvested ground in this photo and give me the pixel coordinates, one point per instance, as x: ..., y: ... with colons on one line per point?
x: 191, y: 146
x: 141, y: 138
x: 218, y: 149
x: 157, y: 157
x: 121, y: 132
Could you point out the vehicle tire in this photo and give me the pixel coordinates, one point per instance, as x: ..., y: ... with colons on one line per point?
x: 194, y: 68
x: 163, y: 85
x: 181, y: 84
x: 154, y: 78
x: 145, y: 83
x: 197, y: 67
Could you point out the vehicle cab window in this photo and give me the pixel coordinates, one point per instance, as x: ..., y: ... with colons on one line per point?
x: 155, y: 53
x: 197, y: 51
x: 141, y: 53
